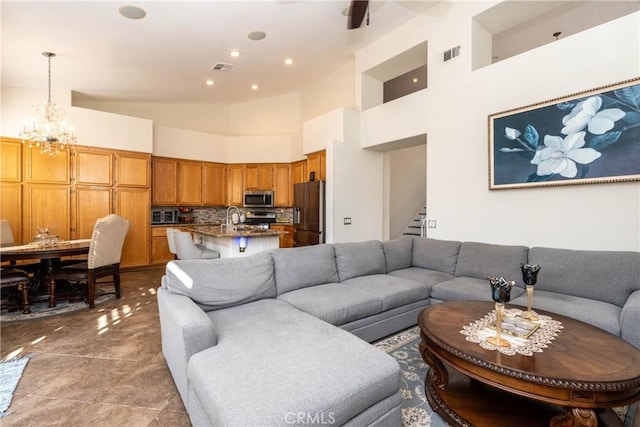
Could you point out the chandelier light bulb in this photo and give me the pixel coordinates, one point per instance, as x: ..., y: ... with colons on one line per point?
x: 46, y: 129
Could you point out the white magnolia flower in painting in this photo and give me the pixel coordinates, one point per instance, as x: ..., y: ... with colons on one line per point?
x: 561, y: 155
x: 511, y: 133
x: 586, y: 114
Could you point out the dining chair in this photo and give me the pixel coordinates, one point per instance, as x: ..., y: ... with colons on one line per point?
x: 19, y: 279
x: 6, y: 233
x: 187, y: 249
x: 103, y: 260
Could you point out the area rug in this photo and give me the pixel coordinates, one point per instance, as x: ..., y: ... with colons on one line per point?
x: 10, y: 374
x: 416, y: 411
x: 41, y: 309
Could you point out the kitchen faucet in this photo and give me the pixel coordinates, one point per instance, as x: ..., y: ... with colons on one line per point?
x: 233, y: 226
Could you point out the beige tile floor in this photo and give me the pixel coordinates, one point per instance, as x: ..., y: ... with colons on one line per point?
x: 101, y: 367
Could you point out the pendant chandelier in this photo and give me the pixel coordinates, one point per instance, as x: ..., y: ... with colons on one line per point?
x: 46, y: 129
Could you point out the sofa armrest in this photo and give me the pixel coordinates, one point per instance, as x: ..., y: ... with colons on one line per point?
x: 630, y: 319
x: 185, y: 330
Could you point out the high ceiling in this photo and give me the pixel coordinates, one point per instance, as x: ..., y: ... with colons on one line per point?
x: 168, y: 55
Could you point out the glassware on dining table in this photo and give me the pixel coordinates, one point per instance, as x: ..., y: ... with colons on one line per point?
x: 501, y: 294
x: 530, y: 278
x: 42, y: 236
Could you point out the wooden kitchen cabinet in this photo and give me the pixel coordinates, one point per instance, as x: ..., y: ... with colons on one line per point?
x: 10, y: 160
x: 92, y: 167
x: 213, y: 184
x: 88, y: 204
x: 46, y: 205
x: 286, y: 240
x: 134, y: 205
x: 282, y: 188
x: 160, y: 253
x: 163, y: 189
x: 189, y: 183
x: 11, y: 207
x: 133, y: 169
x: 258, y: 176
x: 235, y: 188
x: 46, y: 168
x: 316, y: 162
x: 299, y: 172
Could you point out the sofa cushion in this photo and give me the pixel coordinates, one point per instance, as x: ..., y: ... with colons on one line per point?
x: 440, y: 255
x: 397, y: 253
x: 467, y: 288
x: 222, y: 282
x: 274, y: 361
x: 297, y: 268
x: 359, y: 259
x: 609, y: 276
x: 480, y: 260
x: 583, y: 309
x: 427, y: 277
x: 392, y: 290
x: 334, y: 302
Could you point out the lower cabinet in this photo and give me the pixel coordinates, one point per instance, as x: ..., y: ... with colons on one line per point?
x: 286, y: 240
x: 134, y: 204
x: 160, y: 253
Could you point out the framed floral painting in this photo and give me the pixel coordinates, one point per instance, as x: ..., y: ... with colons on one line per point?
x: 588, y: 137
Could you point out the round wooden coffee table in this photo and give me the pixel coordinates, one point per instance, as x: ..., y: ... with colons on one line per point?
x: 575, y: 381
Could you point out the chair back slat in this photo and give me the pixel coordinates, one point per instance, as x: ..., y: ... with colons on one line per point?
x: 107, y: 241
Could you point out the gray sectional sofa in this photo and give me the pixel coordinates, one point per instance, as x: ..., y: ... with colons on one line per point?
x: 281, y: 337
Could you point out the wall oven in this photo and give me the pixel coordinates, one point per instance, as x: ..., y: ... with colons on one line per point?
x: 258, y: 199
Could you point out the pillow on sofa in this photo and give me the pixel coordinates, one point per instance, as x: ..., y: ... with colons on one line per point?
x: 223, y: 282
x: 297, y: 268
x: 397, y: 253
x: 480, y: 260
x: 359, y: 259
x: 440, y: 255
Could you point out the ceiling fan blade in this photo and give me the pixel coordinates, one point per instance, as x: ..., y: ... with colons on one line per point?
x: 357, y: 12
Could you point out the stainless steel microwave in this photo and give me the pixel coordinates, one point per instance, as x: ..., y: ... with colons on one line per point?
x: 258, y: 199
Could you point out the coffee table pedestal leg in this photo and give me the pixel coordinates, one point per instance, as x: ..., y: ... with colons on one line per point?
x: 575, y: 417
x: 437, y: 375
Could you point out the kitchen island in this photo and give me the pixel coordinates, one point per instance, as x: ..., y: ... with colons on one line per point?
x: 246, y: 240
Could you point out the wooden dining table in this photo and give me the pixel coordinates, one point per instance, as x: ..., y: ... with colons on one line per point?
x: 49, y: 255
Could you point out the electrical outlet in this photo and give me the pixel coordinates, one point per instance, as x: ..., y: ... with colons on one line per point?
x: 431, y: 223
x: 347, y: 220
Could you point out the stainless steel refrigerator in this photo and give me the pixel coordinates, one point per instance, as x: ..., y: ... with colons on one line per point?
x: 308, y: 213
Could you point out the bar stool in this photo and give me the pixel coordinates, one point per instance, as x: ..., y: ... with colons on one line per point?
x: 13, y: 277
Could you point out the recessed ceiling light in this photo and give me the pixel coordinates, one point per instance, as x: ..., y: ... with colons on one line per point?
x: 415, y: 80
x: 255, y: 87
x: 235, y: 53
x: 257, y: 35
x: 209, y: 82
x: 288, y: 61
x: 132, y: 12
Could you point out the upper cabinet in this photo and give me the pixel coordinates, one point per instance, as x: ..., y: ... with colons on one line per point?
x: 235, y: 186
x: 299, y: 172
x: 189, y: 183
x: 92, y: 167
x: 258, y: 176
x: 316, y: 165
x: 133, y: 170
x: 164, y: 181
x: 214, y: 184
x: 10, y: 161
x: 282, y: 188
x: 46, y: 168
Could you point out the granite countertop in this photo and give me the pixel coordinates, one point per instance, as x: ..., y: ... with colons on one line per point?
x: 246, y: 231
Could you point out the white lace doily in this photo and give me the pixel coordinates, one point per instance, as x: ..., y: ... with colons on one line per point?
x: 479, y: 331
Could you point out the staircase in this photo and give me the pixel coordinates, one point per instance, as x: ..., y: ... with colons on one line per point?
x: 418, y: 225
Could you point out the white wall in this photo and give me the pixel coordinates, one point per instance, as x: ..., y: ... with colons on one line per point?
x: 454, y: 111
x: 92, y: 128
x: 171, y: 142
x: 335, y: 90
x: 407, y: 177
